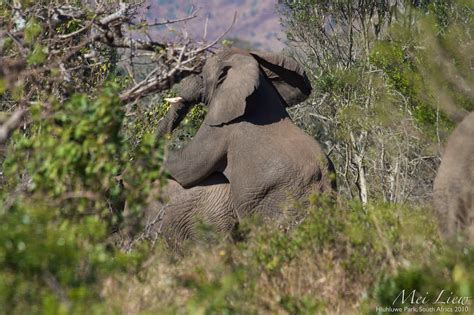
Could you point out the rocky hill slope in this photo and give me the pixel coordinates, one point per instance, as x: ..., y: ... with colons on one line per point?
x: 257, y: 25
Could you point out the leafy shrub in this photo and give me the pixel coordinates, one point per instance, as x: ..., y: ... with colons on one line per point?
x: 448, y: 275
x: 326, y: 264
x: 55, y: 227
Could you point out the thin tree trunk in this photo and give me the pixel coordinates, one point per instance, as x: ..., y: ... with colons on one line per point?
x: 361, y: 176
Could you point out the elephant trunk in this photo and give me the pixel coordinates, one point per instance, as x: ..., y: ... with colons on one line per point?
x: 190, y: 93
x: 172, y: 119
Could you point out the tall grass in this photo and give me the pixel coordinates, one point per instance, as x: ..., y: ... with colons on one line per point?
x: 343, y: 258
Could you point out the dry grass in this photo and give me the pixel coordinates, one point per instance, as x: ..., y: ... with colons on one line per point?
x: 328, y: 264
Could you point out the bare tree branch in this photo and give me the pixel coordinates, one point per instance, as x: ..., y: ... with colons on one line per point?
x: 191, y: 16
x: 12, y: 123
x: 160, y: 80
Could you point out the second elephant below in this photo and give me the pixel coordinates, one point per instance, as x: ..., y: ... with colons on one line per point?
x: 188, y: 211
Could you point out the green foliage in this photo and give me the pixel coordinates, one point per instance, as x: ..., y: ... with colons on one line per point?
x: 32, y: 30
x: 189, y: 125
x: 227, y: 42
x: 82, y: 155
x: 148, y: 113
x: 52, y: 263
x: 77, y: 146
x: 449, y: 274
x: 68, y: 26
x: 363, y: 235
x: 421, y: 59
x: 37, y: 55
x: 386, y: 75
x: 3, y: 86
x: 332, y: 257
x: 213, y: 295
x: 55, y: 230
x: 403, y: 77
x: 68, y: 172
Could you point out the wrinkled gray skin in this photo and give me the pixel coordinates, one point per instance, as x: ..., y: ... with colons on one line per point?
x: 454, y: 184
x: 248, y: 156
x: 187, y: 209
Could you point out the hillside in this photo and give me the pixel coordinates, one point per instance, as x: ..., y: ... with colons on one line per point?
x: 257, y: 22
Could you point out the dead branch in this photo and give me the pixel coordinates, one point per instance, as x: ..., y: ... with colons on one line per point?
x: 118, y: 15
x: 161, y: 80
x: 191, y: 16
x: 69, y: 54
x: 11, y: 124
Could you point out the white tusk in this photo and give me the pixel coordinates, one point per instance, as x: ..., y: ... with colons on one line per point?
x: 174, y: 100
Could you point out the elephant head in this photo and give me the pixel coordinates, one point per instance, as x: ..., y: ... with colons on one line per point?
x: 231, y: 76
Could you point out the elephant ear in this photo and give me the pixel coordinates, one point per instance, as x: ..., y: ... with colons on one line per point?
x: 286, y: 75
x: 238, y: 78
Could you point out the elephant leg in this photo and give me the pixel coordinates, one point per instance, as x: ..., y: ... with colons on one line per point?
x: 461, y: 213
x: 284, y: 208
x: 284, y: 204
x: 190, y: 211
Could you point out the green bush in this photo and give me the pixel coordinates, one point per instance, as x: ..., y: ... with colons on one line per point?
x: 327, y: 263
x: 55, y: 227
x: 444, y: 285
x: 82, y: 154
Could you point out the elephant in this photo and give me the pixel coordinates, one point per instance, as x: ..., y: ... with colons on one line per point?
x: 187, y: 211
x: 247, y: 157
x: 181, y: 212
x: 453, y: 191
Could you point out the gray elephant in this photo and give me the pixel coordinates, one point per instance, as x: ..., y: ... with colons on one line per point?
x: 454, y: 183
x: 247, y: 156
